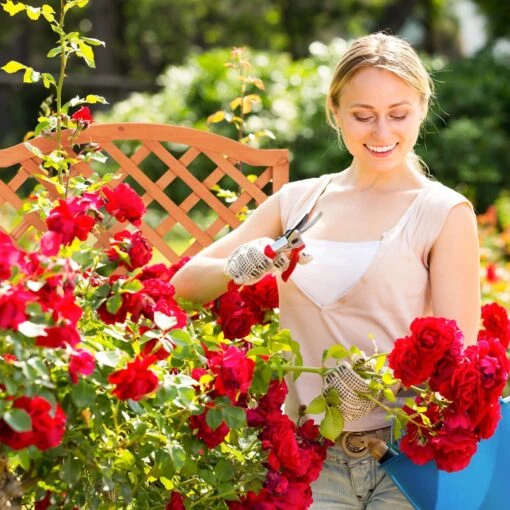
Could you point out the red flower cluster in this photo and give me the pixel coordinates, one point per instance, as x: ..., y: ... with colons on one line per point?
x: 470, y: 382
x: 124, y: 203
x: 48, y: 426
x: 295, y: 459
x: 238, y: 310
x: 131, y: 249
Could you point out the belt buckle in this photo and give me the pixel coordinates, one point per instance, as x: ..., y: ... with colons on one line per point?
x: 350, y: 449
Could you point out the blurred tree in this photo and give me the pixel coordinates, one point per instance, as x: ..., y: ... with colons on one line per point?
x: 498, y: 16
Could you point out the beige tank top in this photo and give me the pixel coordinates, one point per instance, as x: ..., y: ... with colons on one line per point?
x: 393, y: 291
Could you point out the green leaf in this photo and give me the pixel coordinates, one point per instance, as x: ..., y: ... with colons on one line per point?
x: 108, y: 358
x: 13, y: 67
x: 48, y: 80
x: 224, y: 470
x: 381, y: 360
x: 70, y: 471
x: 54, y: 52
x: 336, y: 351
x: 214, y: 417
x: 87, y: 53
x: 389, y: 395
x: 332, y: 397
x: 48, y: 12
x: 31, y: 76
x: 124, y: 459
x: 216, y: 117
x: 235, y: 417
x: 18, y: 420
x: 13, y: 8
x: 33, y: 12
x: 132, y: 286
x: 114, y: 303
x: 178, y: 455
x: 93, y: 98
x: 83, y: 394
x: 332, y: 424
x: 92, y: 41
x: 317, y: 405
x: 387, y: 378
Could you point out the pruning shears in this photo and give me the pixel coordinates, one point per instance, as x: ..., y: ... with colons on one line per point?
x: 291, y: 242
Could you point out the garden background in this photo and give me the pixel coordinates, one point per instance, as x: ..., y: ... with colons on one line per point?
x: 164, y: 62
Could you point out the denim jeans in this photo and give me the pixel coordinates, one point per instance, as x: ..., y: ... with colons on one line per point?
x: 348, y: 483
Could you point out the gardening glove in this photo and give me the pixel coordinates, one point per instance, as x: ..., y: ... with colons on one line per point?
x: 248, y: 264
x: 348, y: 385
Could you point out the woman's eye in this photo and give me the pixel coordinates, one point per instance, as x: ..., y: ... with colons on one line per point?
x: 399, y: 117
x: 363, y: 119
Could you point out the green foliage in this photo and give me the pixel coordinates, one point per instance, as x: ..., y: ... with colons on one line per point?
x: 463, y: 143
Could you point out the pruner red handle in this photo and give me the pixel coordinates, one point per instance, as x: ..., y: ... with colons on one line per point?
x: 294, y: 257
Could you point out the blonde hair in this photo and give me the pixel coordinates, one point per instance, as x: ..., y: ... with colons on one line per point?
x: 387, y: 52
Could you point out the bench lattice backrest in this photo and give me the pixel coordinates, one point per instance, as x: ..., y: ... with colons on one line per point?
x: 179, y: 156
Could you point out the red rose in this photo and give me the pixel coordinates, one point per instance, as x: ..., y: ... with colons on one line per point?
x: 433, y: 336
x: 170, y: 308
x: 275, y: 396
x: 210, y: 437
x: 131, y: 248
x: 465, y: 386
x: 135, y: 381
x: 45, y: 503
x: 408, y: 364
x: 124, y: 203
x: 491, y: 273
x: 48, y: 425
x: 82, y: 362
x: 496, y: 322
x: 10, y: 256
x: 233, y: 370
x: 261, y: 297
x: 237, y: 323
x: 276, y: 483
x: 83, y: 115
x: 12, y: 307
x: 489, y: 422
x: 453, y: 449
x: 58, y: 337
x: 441, y: 378
x: 70, y: 220
x: 280, y: 436
x: 176, y: 501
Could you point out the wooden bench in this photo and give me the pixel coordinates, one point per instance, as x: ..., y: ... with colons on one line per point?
x: 176, y: 150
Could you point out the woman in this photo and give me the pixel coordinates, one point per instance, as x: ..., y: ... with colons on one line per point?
x: 391, y: 245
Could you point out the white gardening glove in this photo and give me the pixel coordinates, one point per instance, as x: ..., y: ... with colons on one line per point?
x: 348, y: 384
x: 248, y: 264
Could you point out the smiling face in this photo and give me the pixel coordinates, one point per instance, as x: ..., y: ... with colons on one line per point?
x: 379, y: 116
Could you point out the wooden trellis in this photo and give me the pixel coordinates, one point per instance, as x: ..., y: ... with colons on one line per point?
x: 128, y: 145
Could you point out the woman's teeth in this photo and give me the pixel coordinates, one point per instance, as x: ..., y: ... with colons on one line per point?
x: 386, y: 148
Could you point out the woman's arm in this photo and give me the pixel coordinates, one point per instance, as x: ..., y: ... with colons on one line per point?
x: 455, y: 272
x: 202, y: 278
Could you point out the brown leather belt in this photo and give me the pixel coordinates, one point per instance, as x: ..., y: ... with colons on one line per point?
x: 355, y: 444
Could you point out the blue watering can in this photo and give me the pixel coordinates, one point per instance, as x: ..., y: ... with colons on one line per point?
x: 483, y: 485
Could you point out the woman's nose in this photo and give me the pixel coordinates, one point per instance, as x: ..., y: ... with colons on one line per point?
x: 381, y: 128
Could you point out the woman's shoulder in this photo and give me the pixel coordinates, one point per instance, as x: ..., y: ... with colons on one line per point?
x: 309, y: 184
x: 441, y: 195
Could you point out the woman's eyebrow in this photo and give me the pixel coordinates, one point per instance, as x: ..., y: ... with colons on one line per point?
x: 362, y: 105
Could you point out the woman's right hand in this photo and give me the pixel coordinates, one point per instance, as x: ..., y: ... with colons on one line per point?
x: 248, y: 264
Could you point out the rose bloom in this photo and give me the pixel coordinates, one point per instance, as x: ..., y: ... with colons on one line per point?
x: 70, y: 220
x: 454, y: 449
x: 10, y: 256
x: 82, y: 362
x: 210, y: 437
x: 407, y: 363
x: 58, y: 337
x: 496, y: 322
x: 135, y: 381
x: 135, y: 250
x: 12, y: 307
x: 47, y: 430
x: 433, y: 336
x: 83, y: 115
x: 176, y: 501
x: 236, y: 323
x: 124, y: 203
x: 233, y: 370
